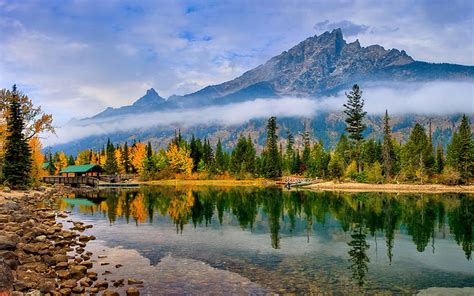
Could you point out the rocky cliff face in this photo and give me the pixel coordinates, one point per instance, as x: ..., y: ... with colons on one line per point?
x: 314, y: 66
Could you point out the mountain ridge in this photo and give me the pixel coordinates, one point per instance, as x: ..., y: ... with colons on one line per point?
x: 317, y: 66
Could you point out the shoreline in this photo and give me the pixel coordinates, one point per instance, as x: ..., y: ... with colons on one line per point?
x: 322, y: 186
x: 392, y: 188
x: 43, y: 250
x: 210, y: 182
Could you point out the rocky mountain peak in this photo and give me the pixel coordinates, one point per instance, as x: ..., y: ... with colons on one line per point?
x: 150, y: 98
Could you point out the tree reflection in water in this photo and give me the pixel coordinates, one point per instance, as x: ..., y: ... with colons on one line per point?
x: 281, y: 213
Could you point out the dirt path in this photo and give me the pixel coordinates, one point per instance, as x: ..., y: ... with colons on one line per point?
x: 414, y: 188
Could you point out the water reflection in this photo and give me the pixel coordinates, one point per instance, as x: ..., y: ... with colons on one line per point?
x: 424, y: 217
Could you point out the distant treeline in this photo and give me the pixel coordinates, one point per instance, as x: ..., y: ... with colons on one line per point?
x: 354, y: 158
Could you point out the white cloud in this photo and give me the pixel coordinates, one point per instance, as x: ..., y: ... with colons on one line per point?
x: 86, y: 55
x: 430, y: 98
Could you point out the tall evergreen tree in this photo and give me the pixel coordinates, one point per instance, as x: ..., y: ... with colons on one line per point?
x: 439, y: 159
x: 127, y: 165
x: 387, y: 147
x: 149, y: 163
x: 51, y: 167
x: 288, y: 161
x: 71, y: 160
x: 272, y: 162
x: 416, y: 154
x: 207, y: 154
x: 17, y: 166
x: 354, y: 110
x: 242, y: 159
x: 196, y: 151
x: 220, y: 158
x: 250, y: 155
x: 461, y: 150
x: 110, y: 166
x: 343, y: 149
x: 306, y: 149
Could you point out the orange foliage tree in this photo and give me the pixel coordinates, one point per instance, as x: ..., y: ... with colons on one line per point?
x: 137, y: 155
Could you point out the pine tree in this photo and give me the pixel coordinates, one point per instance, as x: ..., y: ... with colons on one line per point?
x: 461, y: 150
x: 243, y: 157
x: 127, y: 166
x: 17, y: 166
x: 416, y: 154
x: 196, y: 151
x: 355, y: 115
x: 51, y: 167
x: 387, y: 147
x: 289, y: 152
x: 272, y: 163
x: 250, y: 155
x: 207, y: 154
x: 148, y: 162
x: 220, y: 158
x: 71, y: 160
x: 439, y: 159
x: 110, y: 166
x: 306, y: 149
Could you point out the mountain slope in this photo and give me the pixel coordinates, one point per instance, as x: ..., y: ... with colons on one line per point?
x: 316, y: 67
x: 319, y: 65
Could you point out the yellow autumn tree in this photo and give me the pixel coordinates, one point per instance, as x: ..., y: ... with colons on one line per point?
x: 118, y: 157
x: 95, y: 158
x: 60, y: 162
x: 137, y: 155
x: 37, y: 160
x: 179, y: 159
x: 84, y: 157
x: 102, y: 158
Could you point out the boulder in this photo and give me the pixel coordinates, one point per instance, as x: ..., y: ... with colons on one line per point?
x: 132, y: 291
x: 6, y: 243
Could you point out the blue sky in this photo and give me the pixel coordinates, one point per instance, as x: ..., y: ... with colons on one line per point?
x: 77, y: 57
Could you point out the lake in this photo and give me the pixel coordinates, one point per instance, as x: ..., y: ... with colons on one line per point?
x: 249, y: 240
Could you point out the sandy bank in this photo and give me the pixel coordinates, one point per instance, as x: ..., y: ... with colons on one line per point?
x: 414, y: 188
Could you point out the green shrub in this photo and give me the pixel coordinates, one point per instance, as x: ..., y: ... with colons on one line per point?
x: 374, y: 174
x: 362, y: 177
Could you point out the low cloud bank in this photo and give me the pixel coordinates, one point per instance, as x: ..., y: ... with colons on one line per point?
x: 440, y: 98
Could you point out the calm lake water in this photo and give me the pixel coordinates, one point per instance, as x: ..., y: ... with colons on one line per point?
x: 245, y: 240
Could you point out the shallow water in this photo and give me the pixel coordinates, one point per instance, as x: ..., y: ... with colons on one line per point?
x: 245, y: 240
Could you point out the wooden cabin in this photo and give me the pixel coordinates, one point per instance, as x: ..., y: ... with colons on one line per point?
x: 92, y: 170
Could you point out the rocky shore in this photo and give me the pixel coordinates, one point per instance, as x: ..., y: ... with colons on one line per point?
x: 39, y: 256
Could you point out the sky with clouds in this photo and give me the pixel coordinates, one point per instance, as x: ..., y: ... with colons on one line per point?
x: 75, y: 58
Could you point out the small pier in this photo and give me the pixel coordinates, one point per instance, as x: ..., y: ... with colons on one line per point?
x: 289, y: 182
x: 72, y: 181
x: 99, y: 181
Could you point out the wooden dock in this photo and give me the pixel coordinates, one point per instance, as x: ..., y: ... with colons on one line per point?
x: 104, y: 181
x: 73, y: 181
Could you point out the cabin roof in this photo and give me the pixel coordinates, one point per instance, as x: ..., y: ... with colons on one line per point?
x: 83, y: 168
